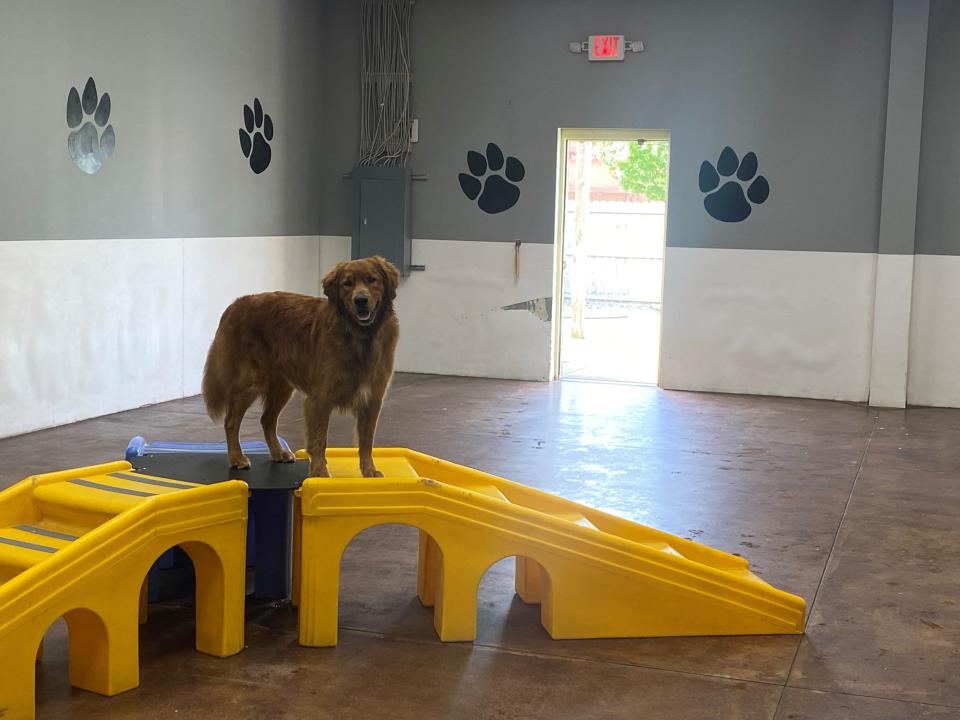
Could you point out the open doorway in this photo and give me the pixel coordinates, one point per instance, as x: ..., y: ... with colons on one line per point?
x: 611, y: 227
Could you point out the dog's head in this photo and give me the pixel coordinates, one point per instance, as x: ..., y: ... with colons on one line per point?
x: 363, y: 290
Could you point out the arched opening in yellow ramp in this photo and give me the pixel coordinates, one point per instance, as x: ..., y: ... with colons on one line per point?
x: 510, y: 597
x: 173, y: 620
x: 172, y: 576
x: 388, y: 574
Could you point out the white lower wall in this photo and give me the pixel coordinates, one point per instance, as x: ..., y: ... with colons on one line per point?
x: 768, y: 322
x: 739, y: 321
x: 452, y: 316
x: 89, y: 327
x: 934, y: 370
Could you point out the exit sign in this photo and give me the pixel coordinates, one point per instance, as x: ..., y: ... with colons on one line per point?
x: 605, y: 47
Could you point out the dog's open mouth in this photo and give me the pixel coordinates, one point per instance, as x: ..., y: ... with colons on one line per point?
x: 364, y: 317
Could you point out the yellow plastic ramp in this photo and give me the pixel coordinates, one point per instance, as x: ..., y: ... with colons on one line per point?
x: 79, y: 544
x: 595, y: 575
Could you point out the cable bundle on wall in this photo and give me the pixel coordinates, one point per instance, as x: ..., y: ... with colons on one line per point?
x: 385, y: 82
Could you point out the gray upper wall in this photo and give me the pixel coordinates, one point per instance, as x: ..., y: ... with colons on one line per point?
x: 802, y: 83
x: 178, y: 73
x: 938, y: 211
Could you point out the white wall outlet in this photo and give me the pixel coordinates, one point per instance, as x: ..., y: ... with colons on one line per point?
x: 415, y: 130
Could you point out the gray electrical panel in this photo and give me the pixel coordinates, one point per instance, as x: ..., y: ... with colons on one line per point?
x: 381, y: 214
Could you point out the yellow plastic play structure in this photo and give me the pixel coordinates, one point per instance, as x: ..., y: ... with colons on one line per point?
x: 79, y: 544
x: 594, y: 575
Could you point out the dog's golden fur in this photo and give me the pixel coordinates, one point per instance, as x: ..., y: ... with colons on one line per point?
x: 337, y: 351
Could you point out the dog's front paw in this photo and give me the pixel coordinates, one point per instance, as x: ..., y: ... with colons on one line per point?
x: 285, y: 456
x: 241, y: 463
x: 370, y: 471
x: 319, y: 470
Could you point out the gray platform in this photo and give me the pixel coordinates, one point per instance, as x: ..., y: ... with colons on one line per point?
x: 208, y: 468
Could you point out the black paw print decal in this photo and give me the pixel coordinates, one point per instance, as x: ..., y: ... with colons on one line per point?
x: 88, y: 147
x: 728, y: 204
x: 498, y: 194
x: 257, y: 148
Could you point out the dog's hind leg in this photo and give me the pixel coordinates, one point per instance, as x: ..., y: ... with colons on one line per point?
x: 274, y: 400
x: 236, y: 408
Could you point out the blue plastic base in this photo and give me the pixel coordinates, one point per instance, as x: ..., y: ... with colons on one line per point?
x: 138, y: 447
x: 271, y: 513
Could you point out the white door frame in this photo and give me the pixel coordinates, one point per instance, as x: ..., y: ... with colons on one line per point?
x: 582, y: 134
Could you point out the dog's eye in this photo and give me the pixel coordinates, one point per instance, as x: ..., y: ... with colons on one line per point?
x: 371, y: 280
x: 348, y: 283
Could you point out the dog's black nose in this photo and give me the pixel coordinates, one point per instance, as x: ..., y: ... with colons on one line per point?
x: 361, y: 302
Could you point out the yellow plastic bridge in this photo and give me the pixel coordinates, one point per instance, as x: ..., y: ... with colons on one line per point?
x: 79, y: 544
x: 594, y: 575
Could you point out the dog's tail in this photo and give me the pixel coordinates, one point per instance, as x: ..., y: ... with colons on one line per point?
x: 214, y: 387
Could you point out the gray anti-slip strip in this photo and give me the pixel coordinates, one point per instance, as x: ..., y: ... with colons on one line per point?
x: 28, y: 546
x: 110, y: 488
x: 150, y: 481
x: 47, y: 533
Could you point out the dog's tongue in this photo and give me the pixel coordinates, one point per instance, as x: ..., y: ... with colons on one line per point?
x: 363, y: 316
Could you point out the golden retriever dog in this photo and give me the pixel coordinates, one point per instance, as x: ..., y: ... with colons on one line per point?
x: 337, y: 351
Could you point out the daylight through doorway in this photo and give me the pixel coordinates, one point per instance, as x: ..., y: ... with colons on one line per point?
x: 614, y: 218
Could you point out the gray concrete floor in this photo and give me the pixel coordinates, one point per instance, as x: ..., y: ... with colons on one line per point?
x: 854, y: 509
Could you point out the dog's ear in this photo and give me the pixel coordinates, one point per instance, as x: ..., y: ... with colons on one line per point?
x: 390, y: 274
x: 331, y: 282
